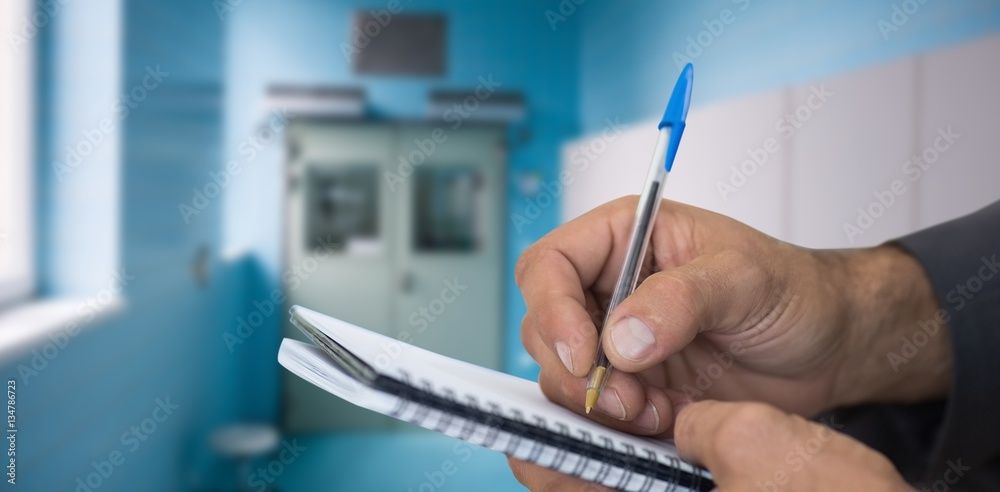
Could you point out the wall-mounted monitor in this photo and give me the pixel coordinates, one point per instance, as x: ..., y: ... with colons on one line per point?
x: 384, y: 43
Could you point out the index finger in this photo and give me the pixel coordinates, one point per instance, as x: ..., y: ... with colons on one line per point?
x: 553, y: 274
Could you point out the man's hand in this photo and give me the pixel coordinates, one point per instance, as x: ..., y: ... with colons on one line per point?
x: 723, y: 312
x: 755, y: 447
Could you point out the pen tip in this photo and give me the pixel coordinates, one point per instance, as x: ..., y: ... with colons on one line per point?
x: 592, y: 395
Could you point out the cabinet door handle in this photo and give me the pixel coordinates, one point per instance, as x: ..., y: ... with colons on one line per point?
x: 407, y: 282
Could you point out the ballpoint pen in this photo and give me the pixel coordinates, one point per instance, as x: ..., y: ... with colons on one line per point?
x: 671, y: 128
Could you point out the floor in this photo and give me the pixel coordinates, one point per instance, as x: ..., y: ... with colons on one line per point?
x: 407, y: 461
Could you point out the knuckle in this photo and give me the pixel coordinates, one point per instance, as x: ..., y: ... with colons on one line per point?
x: 624, y: 201
x: 882, y: 465
x: 546, y: 383
x: 684, y: 426
x: 526, y: 329
x: 566, y: 386
x: 538, y: 253
x: 618, y: 206
x: 627, y: 202
x: 553, y: 386
x: 524, y: 263
x: 682, y: 295
x: 677, y: 288
x: 745, y: 423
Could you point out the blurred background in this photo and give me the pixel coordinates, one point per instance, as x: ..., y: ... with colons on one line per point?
x: 176, y: 174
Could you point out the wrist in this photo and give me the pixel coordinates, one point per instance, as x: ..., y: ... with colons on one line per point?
x: 897, y: 348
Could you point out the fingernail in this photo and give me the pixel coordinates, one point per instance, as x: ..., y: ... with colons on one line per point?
x: 565, y: 355
x: 649, y: 419
x: 632, y: 338
x: 611, y: 404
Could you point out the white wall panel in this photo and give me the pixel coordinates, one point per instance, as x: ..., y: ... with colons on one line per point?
x: 848, y: 149
x: 606, y: 166
x: 961, y: 90
x: 732, y: 161
x: 718, y: 138
x: 852, y: 141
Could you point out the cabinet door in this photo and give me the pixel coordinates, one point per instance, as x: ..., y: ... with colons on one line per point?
x: 450, y: 207
x: 340, y: 232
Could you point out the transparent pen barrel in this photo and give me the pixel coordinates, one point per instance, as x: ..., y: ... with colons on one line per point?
x: 642, y: 228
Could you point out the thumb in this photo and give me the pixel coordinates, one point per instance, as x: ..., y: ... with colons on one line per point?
x: 754, y: 443
x: 726, y: 291
x: 734, y: 440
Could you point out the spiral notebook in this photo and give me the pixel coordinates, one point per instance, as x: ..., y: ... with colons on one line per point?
x: 478, y: 405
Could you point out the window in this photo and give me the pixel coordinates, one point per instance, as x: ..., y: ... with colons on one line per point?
x: 342, y: 204
x: 17, y: 264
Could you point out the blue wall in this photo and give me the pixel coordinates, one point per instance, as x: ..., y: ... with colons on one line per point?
x: 627, y: 65
x: 298, y: 42
x: 166, y: 344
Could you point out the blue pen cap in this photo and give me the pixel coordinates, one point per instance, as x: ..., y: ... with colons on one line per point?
x: 676, y: 113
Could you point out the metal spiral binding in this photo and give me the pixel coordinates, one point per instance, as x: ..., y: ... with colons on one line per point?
x: 446, y: 418
x: 605, y: 469
x: 401, y: 403
x: 561, y: 453
x: 584, y: 461
x: 648, y: 482
x: 469, y: 428
x: 494, y: 432
x: 627, y: 471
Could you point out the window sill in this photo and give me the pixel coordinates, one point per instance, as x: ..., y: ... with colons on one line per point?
x: 31, y: 324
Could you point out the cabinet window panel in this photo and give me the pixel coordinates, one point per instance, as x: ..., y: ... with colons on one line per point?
x: 446, y: 205
x: 342, y: 205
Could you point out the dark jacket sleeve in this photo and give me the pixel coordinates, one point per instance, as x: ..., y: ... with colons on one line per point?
x: 955, y: 444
